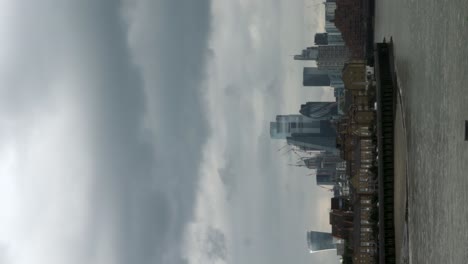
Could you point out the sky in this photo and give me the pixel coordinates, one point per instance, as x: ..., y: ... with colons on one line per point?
x: 136, y: 131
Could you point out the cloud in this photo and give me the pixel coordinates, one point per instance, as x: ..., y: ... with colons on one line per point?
x: 102, y: 129
x: 215, y: 245
x: 125, y: 125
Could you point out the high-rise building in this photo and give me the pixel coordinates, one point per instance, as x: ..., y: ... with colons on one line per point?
x: 332, y: 57
x: 287, y: 125
x: 324, y: 140
x: 330, y: 11
x: 310, y: 53
x: 324, y: 177
x: 334, y: 38
x: 328, y: 38
x: 323, y: 160
x: 312, y: 76
x: 319, y: 110
x: 319, y: 241
x: 330, y: 27
x: 321, y: 39
x: 305, y: 133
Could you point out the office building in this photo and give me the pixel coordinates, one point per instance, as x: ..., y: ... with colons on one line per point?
x: 332, y: 57
x: 305, y: 133
x: 332, y: 38
x: 319, y: 241
x: 321, y: 39
x: 330, y: 27
x: 312, y: 76
x: 330, y: 11
x: 325, y: 177
x: 287, y: 125
x: 310, y: 53
x: 335, y: 39
x: 319, y: 110
x: 323, y: 140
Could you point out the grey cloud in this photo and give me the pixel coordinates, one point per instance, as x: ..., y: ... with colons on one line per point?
x: 152, y: 190
x: 144, y: 184
x: 228, y: 178
x: 4, y: 255
x: 215, y: 244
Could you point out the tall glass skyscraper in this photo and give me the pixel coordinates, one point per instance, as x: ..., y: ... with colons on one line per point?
x: 304, y: 132
x: 319, y: 241
x: 312, y: 76
x: 319, y: 110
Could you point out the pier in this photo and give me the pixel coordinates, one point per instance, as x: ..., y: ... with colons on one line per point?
x: 386, y: 98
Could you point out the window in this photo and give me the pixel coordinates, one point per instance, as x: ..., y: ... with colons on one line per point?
x: 364, y: 222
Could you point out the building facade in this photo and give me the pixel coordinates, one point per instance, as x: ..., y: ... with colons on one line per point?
x: 332, y: 57
x: 319, y: 110
x: 319, y: 241
x: 313, y: 76
x: 288, y: 125
x: 355, y: 75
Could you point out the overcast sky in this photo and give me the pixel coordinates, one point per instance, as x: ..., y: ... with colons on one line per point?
x: 136, y: 131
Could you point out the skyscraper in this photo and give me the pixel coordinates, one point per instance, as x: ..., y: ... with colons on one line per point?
x: 321, y: 39
x: 330, y: 27
x: 310, y: 53
x: 333, y: 57
x: 325, y: 178
x: 319, y: 110
x: 335, y: 39
x: 305, y: 133
x: 312, y: 76
x: 328, y: 38
x: 287, y: 125
x: 322, y: 140
x: 330, y: 7
x: 319, y: 241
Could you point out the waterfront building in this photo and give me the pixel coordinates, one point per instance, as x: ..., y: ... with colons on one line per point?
x: 355, y: 75
x: 342, y: 203
x: 342, y: 223
x: 349, y: 19
x: 319, y: 241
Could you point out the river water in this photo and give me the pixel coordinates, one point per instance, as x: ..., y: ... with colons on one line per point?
x: 431, y: 49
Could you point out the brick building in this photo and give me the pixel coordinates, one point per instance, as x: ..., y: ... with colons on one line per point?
x: 350, y: 21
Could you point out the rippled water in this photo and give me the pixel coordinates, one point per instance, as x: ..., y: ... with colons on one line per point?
x: 431, y: 47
